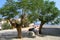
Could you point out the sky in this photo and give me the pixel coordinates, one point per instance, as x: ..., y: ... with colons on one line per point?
x: 57, y: 3
x: 2, y: 2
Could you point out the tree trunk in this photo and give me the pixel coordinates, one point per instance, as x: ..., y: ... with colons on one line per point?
x: 19, y: 31
x: 19, y: 26
x: 40, y: 28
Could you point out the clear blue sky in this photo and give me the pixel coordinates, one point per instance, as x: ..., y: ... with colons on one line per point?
x: 2, y: 2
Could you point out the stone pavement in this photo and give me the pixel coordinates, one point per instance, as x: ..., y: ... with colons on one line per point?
x: 47, y: 34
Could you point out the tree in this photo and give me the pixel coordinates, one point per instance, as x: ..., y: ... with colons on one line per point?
x: 21, y: 5
x: 45, y: 12
x: 9, y: 10
x: 48, y: 13
x: 28, y: 7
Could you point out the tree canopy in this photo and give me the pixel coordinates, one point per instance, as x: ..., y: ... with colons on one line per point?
x: 44, y: 11
x: 9, y: 10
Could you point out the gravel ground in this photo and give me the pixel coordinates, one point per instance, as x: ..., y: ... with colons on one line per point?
x: 47, y: 34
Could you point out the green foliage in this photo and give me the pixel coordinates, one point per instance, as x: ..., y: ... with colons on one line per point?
x: 56, y: 21
x: 48, y: 12
x: 0, y: 19
x: 9, y: 10
x: 43, y: 10
x: 6, y: 26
